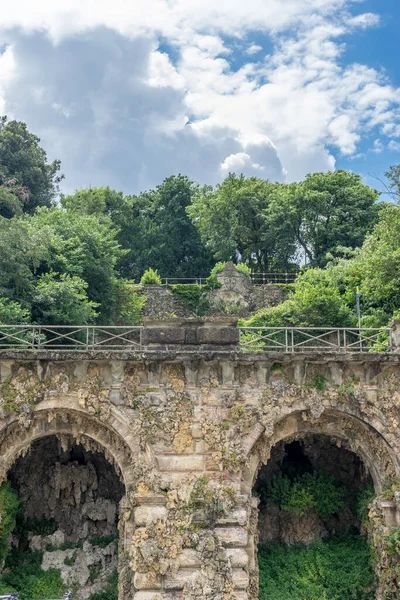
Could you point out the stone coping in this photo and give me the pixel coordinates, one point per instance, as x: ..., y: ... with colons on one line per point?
x: 184, y: 354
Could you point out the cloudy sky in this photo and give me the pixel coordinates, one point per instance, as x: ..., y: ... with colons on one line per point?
x: 127, y: 92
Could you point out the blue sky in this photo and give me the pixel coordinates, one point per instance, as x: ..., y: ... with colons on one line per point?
x: 127, y: 93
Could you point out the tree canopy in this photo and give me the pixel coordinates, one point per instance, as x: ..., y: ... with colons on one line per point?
x: 74, y: 260
x: 25, y: 172
x: 322, y: 213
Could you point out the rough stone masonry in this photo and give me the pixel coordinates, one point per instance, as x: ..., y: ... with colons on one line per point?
x: 187, y: 424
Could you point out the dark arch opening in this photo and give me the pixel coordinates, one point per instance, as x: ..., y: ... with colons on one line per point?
x: 66, y: 533
x: 313, y: 498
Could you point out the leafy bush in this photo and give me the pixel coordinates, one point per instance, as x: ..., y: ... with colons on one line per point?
x: 150, y: 277
x: 23, y: 573
x: 36, y: 525
x: 307, y: 491
x: 393, y: 542
x: 338, y: 569
x: 363, y: 501
x: 129, y: 305
x: 9, y: 506
x: 192, y: 296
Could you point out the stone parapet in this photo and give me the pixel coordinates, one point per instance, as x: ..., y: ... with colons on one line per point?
x: 194, y: 334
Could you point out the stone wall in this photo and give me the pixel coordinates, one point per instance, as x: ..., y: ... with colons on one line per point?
x: 188, y: 429
x: 235, y: 296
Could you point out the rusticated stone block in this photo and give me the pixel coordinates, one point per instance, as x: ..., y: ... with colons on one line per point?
x: 180, y: 579
x: 146, y: 514
x: 162, y: 335
x: 189, y: 463
x: 240, y: 578
x: 221, y: 336
x: 238, y: 557
x: 232, y: 536
x: 147, y: 581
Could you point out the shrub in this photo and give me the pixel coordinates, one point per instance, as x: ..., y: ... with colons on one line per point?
x: 191, y: 295
x: 363, y: 501
x: 36, y: 525
x: 150, y: 277
x: 338, y: 569
x: 9, y: 505
x: 24, y: 574
x: 129, y: 305
x: 307, y: 491
x: 392, y: 542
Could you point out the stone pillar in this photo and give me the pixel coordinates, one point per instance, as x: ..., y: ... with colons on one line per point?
x: 395, y: 335
x: 209, y: 334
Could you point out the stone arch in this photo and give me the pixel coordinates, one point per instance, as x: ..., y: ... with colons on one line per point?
x: 113, y: 438
x: 358, y: 435
x: 120, y: 449
x: 355, y: 434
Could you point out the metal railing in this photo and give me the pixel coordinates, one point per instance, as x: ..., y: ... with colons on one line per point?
x: 68, y: 337
x: 263, y: 278
x: 315, y: 339
x: 256, y: 339
x: 174, y: 280
x: 15, y: 596
x: 256, y: 278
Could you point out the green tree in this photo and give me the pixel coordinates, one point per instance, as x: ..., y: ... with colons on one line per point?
x: 68, y: 243
x: 62, y: 300
x: 232, y: 222
x: 153, y: 227
x: 24, y: 161
x: 12, y: 313
x: 82, y: 246
x: 322, y: 213
x: 24, y: 251
x: 393, y: 187
x: 316, y: 302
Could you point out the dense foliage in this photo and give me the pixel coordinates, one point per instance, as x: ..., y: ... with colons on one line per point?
x: 23, y: 574
x: 70, y: 262
x: 27, y: 180
x: 336, y: 569
x: 9, y: 505
x: 298, y: 495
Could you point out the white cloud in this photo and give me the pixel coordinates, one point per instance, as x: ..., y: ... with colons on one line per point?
x: 253, y: 49
x: 378, y: 147
x: 127, y: 92
x: 394, y: 146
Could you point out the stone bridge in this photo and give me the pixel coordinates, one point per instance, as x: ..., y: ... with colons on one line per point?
x: 188, y: 429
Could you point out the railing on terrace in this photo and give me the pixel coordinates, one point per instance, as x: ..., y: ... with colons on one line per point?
x: 256, y: 278
x: 15, y: 596
x: 263, y: 278
x: 60, y: 337
x: 315, y: 339
x: 174, y: 280
x: 251, y: 339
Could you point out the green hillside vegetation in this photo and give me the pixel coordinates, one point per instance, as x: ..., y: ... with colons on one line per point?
x: 73, y: 261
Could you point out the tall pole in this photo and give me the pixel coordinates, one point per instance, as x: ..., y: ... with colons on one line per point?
x: 358, y: 294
